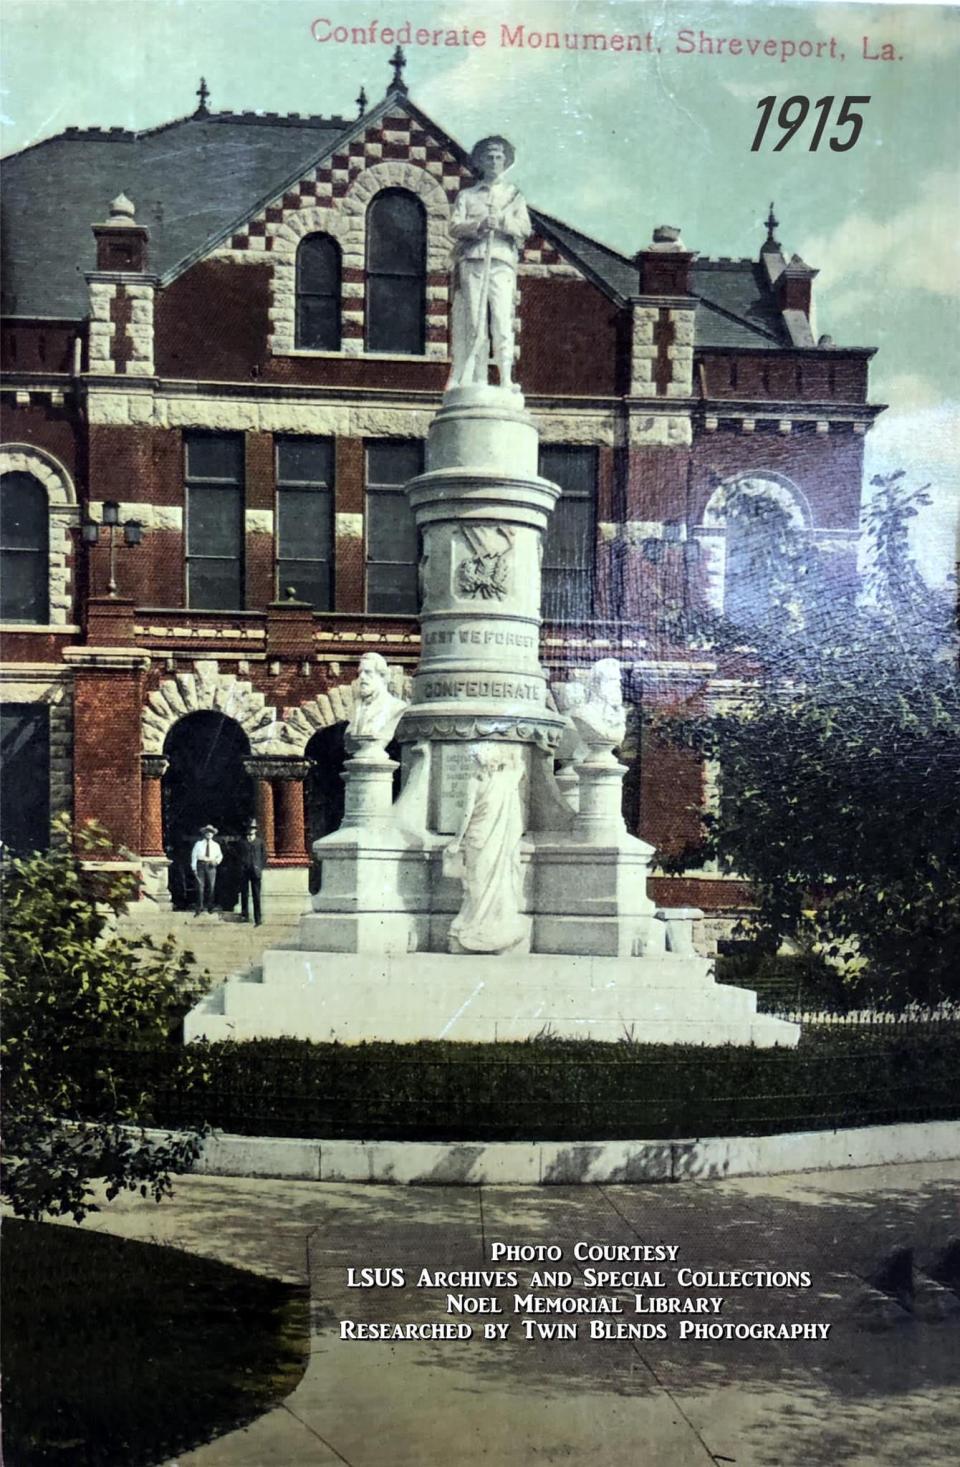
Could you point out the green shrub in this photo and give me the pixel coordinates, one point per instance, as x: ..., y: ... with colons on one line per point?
x: 566, y: 1090
x: 72, y: 988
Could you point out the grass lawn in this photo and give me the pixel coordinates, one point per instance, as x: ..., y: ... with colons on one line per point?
x: 117, y: 1354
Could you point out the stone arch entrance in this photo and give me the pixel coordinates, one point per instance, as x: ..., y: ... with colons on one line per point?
x: 324, y: 794
x: 205, y: 781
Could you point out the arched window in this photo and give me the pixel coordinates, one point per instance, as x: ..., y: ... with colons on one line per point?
x: 396, y: 273
x: 756, y: 528
x: 318, y: 293
x: 24, y: 549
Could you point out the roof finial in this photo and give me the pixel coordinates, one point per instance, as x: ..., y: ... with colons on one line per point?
x: 361, y: 102
x: 772, y: 222
x: 398, y: 61
x: 203, y: 92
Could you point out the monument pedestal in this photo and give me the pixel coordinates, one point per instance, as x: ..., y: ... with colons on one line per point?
x: 479, y: 743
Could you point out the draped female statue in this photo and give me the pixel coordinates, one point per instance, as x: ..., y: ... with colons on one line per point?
x: 489, y: 919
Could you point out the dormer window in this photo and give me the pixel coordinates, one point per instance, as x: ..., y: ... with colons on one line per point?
x: 396, y: 273
x: 318, y: 293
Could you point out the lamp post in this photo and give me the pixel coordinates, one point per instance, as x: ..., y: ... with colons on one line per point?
x: 132, y: 531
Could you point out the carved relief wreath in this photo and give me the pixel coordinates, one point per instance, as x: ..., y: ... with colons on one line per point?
x: 485, y: 570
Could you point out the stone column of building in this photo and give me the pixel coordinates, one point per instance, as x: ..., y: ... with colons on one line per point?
x: 659, y: 413
x: 289, y: 804
x: 155, y: 865
x: 152, y: 769
x: 265, y: 806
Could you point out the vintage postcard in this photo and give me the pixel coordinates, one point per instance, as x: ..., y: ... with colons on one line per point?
x: 480, y: 493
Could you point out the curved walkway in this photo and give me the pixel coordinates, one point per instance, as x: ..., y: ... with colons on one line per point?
x: 877, y: 1392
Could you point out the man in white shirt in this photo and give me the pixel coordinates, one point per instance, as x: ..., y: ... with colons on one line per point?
x: 489, y: 224
x: 205, y: 857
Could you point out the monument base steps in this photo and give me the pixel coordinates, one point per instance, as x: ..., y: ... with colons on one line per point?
x: 351, y: 997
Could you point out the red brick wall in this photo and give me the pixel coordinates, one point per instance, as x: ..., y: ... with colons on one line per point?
x: 671, y: 794
x: 656, y: 483
x: 212, y: 322
x: 827, y: 467
x: 106, y: 748
x: 569, y: 338
x: 349, y: 486
x: 784, y: 375
x: 38, y: 346
x: 45, y: 426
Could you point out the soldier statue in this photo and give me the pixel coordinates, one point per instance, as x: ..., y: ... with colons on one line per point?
x: 489, y: 225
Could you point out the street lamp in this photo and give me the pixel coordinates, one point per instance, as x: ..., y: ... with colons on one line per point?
x: 132, y: 534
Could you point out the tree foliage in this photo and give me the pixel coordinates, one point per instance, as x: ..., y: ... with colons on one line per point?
x: 74, y: 990
x: 840, y: 764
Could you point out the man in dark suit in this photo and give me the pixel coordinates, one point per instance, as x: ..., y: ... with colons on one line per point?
x: 253, y: 859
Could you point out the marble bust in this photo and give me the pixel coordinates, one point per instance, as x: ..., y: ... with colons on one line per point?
x: 376, y: 712
x: 600, y: 717
x: 489, y: 226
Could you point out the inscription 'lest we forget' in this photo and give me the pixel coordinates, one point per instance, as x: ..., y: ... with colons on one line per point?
x: 442, y: 637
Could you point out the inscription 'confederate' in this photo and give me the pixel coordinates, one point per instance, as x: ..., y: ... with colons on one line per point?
x: 482, y: 688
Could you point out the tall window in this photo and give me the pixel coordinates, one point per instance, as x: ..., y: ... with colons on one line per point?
x: 214, y: 470
x: 305, y: 519
x: 24, y: 549
x: 392, y: 551
x: 569, y: 544
x: 25, y: 776
x: 396, y: 273
x: 318, y: 293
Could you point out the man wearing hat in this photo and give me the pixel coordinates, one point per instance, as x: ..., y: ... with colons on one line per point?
x: 205, y: 858
x: 489, y: 224
x: 253, y: 859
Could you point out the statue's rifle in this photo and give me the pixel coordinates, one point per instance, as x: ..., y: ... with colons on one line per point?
x: 481, y: 332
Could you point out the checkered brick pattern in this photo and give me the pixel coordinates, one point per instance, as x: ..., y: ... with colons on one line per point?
x: 537, y: 251
x: 333, y: 199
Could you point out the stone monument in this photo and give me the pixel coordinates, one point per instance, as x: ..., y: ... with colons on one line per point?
x: 490, y: 899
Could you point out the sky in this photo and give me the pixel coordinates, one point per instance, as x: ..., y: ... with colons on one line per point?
x: 614, y: 142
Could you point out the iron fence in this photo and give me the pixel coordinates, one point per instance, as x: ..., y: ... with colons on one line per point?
x: 845, y: 1072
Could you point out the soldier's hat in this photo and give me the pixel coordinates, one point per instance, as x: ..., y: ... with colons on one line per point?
x: 505, y: 144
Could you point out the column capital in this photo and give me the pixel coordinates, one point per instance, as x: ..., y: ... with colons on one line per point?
x: 263, y: 766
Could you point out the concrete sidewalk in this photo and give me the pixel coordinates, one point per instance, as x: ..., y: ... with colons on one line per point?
x: 880, y: 1391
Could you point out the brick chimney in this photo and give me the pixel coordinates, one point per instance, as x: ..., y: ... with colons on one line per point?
x: 795, y: 286
x: 664, y: 265
x: 121, y: 241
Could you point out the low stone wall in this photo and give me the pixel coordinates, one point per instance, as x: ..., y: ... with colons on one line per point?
x: 463, y: 1163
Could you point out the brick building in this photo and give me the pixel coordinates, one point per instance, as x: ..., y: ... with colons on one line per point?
x: 243, y: 362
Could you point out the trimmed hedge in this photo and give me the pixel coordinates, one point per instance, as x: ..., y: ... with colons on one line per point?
x: 551, y: 1089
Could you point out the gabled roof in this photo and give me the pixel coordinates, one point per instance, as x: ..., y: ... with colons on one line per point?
x: 737, y: 306
x: 613, y: 272
x: 195, y: 180
x: 188, y: 179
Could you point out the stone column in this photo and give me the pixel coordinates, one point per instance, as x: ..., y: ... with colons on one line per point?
x: 481, y: 508
x: 265, y: 816
x: 600, y: 784
x: 155, y: 868
x: 288, y: 793
x: 368, y: 782
x: 152, y: 769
